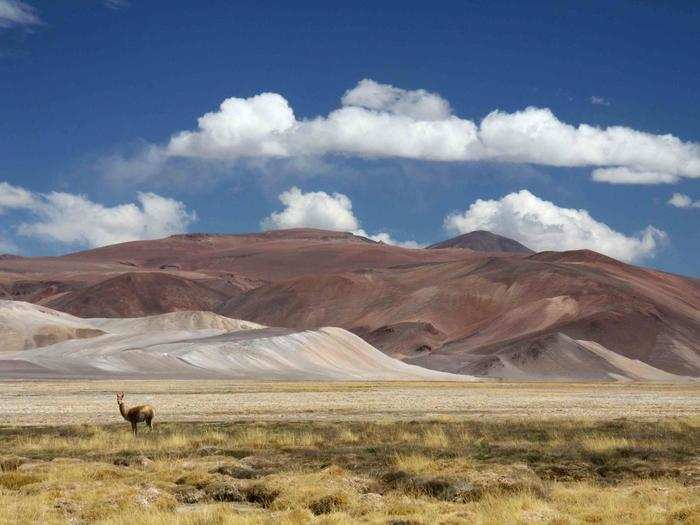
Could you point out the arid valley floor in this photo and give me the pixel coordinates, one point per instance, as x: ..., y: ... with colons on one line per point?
x: 67, y: 402
x: 344, y: 452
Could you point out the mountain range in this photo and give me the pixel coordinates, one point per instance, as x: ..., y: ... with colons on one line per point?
x: 479, y: 304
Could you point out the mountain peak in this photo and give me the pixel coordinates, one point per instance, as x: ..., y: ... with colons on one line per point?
x: 483, y: 241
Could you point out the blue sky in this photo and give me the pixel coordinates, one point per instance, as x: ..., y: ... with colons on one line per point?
x: 92, y: 94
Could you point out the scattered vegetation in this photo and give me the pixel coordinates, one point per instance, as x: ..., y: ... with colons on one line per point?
x: 441, y: 471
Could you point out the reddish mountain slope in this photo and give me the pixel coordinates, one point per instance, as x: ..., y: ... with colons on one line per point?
x: 438, y: 314
x: 444, y: 308
x: 269, y: 255
x: 138, y: 295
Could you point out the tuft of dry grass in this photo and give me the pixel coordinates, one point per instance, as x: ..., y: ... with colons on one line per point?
x: 437, y: 471
x: 415, y: 463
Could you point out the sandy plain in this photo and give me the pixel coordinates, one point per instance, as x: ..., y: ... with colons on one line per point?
x: 38, y: 403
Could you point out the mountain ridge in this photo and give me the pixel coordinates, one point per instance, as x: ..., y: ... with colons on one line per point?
x: 441, y: 307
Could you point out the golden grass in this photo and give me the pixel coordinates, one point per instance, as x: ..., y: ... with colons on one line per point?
x: 440, y: 471
x: 414, y: 463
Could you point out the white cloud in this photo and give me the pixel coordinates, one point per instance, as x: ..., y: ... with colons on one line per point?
x: 14, y: 13
x: 542, y: 225
x: 315, y: 209
x: 380, y: 120
x: 536, y: 136
x: 15, y: 197
x: 325, y: 211
x: 629, y: 176
x: 599, y: 101
x: 74, y: 219
x: 251, y: 127
x: 418, y: 104
x: 679, y: 200
x: 388, y: 239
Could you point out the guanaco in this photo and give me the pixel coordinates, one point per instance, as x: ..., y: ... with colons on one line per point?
x: 137, y: 414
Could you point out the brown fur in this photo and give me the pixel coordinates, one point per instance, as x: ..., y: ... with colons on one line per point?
x: 135, y: 415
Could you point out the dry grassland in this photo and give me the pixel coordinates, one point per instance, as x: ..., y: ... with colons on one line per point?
x: 558, y: 467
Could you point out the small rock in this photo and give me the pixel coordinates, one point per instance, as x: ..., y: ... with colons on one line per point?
x: 8, y: 463
x: 133, y: 461
x: 148, y: 495
x: 188, y: 494
x: 65, y: 506
x: 30, y: 465
x: 463, y: 492
x: 66, y: 461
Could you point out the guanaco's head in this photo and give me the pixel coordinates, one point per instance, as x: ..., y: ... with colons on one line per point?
x: 120, y: 398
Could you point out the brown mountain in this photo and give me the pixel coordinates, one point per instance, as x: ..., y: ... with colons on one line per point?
x: 482, y: 241
x: 450, y: 309
x: 138, y: 295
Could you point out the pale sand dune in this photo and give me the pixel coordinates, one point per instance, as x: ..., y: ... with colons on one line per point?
x: 173, y: 321
x: 557, y: 356
x: 632, y: 368
x: 24, y: 325
x: 200, y: 345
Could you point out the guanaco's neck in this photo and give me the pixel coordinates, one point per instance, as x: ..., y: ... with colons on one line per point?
x: 122, y: 410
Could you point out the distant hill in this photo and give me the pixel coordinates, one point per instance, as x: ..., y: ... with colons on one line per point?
x: 483, y: 241
x: 498, y: 313
x: 138, y: 294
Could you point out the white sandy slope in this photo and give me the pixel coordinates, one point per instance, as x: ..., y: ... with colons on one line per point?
x: 557, y: 356
x: 189, y: 345
x: 24, y: 325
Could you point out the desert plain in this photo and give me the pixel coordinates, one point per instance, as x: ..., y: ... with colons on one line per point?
x: 76, y: 402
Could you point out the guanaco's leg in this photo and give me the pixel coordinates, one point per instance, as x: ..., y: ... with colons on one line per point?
x: 133, y: 428
x: 149, y: 422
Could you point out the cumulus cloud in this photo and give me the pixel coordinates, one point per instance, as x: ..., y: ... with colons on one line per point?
x: 14, y: 13
x: 15, y: 197
x: 74, y: 219
x: 251, y: 127
x: 325, y: 211
x: 315, y: 209
x: 386, y: 238
x: 536, y: 136
x: 630, y: 176
x: 380, y: 120
x: 418, y: 104
x: 680, y: 200
x: 542, y: 225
